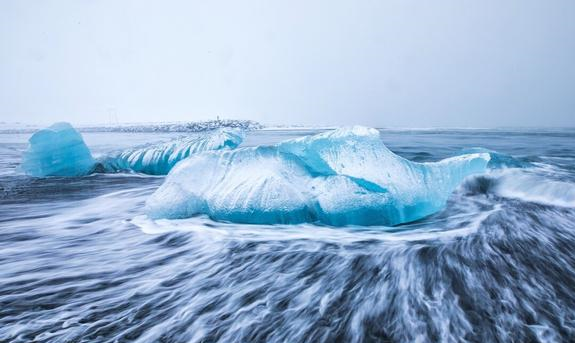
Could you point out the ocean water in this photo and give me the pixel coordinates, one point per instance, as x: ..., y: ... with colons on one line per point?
x: 80, y: 262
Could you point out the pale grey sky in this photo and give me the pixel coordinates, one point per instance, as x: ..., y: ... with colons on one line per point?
x: 380, y: 63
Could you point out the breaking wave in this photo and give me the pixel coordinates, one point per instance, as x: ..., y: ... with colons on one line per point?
x: 494, y: 264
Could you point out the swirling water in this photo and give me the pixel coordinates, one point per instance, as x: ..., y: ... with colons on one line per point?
x: 79, y: 262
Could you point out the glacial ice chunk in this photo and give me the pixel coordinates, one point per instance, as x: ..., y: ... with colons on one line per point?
x: 58, y: 150
x: 499, y: 160
x: 159, y: 159
x: 342, y: 177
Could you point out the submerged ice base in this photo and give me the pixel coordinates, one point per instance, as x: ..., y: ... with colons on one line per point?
x: 342, y: 177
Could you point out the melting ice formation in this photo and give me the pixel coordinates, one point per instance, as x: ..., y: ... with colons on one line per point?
x: 59, y: 150
x: 159, y: 159
x: 342, y: 177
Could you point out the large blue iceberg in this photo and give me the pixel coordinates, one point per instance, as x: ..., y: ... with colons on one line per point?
x: 343, y: 177
x: 58, y: 150
x: 159, y: 159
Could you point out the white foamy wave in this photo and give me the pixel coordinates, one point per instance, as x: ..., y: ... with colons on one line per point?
x: 215, y: 231
x: 534, y: 188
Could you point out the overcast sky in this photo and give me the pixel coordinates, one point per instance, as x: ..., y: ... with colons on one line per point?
x: 381, y: 63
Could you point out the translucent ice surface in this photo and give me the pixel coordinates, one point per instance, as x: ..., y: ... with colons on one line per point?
x: 58, y: 150
x: 158, y: 159
x: 342, y: 177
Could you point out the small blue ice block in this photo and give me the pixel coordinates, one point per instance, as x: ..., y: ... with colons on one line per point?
x: 58, y: 150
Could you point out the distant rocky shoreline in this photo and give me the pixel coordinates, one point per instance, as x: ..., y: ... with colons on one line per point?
x: 198, y: 126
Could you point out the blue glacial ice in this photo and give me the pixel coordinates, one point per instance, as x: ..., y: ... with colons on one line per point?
x: 342, y: 177
x: 58, y: 150
x: 498, y: 160
x: 159, y: 159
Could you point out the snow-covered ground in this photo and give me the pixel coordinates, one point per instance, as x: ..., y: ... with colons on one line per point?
x: 144, y: 127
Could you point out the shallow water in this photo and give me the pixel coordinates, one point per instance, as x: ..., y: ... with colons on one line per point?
x: 81, y: 263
